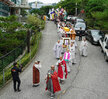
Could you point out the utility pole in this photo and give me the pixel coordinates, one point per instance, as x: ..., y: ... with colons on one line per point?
x: 76, y: 10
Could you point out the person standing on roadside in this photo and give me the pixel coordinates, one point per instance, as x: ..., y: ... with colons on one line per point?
x: 84, y: 47
x: 15, y: 75
x: 80, y: 34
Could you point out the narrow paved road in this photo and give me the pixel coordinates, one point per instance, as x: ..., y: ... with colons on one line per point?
x: 90, y: 83
x: 92, y: 79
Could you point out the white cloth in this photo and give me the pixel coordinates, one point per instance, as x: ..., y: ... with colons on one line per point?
x: 61, y: 42
x: 58, y: 25
x: 83, y: 48
x: 38, y: 66
x: 57, y: 50
x: 50, y: 16
x: 66, y: 55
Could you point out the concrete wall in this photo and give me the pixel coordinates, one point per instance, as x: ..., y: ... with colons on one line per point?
x: 24, y: 2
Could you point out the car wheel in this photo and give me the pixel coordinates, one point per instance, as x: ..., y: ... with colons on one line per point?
x: 92, y: 41
x: 106, y: 58
x: 101, y: 50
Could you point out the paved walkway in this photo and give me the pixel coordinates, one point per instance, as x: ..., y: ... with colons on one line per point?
x: 90, y: 83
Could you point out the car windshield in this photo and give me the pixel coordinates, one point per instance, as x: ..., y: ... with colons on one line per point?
x: 95, y: 32
x: 80, y: 25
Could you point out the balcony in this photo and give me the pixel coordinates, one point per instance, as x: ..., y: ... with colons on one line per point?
x: 23, y: 6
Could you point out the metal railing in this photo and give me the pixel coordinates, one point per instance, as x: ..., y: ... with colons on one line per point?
x: 11, y: 56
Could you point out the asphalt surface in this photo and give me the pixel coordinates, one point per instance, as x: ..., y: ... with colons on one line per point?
x: 88, y: 78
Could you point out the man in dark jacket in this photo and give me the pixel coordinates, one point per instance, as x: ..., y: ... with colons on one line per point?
x: 15, y: 75
x: 80, y: 34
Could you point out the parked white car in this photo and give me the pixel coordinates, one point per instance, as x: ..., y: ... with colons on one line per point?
x: 104, y: 45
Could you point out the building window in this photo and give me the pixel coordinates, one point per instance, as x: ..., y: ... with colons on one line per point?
x: 4, y: 9
x: 14, y: 1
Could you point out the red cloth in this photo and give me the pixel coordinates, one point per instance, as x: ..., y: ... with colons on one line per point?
x: 36, y: 75
x: 65, y: 34
x: 60, y: 71
x: 56, y: 85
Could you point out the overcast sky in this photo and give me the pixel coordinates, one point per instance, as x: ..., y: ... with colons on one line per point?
x: 45, y: 1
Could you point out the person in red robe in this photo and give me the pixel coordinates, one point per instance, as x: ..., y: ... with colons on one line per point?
x: 52, y: 83
x: 36, y: 73
x: 62, y: 69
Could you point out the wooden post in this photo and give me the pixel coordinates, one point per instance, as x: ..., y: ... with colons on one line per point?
x: 28, y: 41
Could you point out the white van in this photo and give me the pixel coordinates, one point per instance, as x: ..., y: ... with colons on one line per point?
x: 78, y: 26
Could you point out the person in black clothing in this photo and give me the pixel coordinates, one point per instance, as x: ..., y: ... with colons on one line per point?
x: 15, y: 75
x: 80, y: 34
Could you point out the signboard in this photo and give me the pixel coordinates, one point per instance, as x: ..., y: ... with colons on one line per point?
x: 66, y: 41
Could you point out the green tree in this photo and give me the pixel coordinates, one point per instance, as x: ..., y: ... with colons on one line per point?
x: 11, y: 34
x: 42, y: 11
x: 97, y: 13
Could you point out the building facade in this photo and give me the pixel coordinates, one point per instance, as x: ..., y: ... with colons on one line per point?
x: 12, y: 7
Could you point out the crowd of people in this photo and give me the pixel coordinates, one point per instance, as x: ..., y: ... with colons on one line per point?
x: 58, y: 14
x: 65, y: 53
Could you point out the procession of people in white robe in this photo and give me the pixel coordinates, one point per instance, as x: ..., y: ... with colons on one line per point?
x: 69, y: 53
x: 66, y: 57
x: 65, y: 51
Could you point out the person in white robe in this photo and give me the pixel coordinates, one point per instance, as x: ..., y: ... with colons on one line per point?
x: 61, y: 41
x: 60, y: 32
x: 75, y: 44
x: 83, y: 47
x: 72, y: 51
x: 63, y: 24
x: 58, y: 25
x: 57, y: 49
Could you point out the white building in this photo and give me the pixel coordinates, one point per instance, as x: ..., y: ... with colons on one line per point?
x: 10, y: 7
x: 37, y: 5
